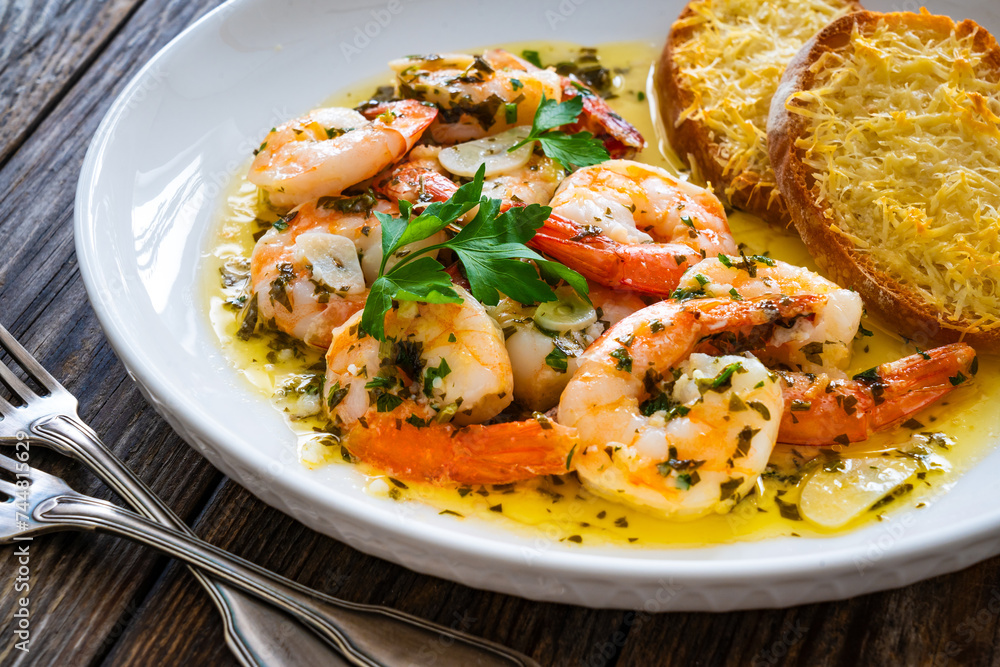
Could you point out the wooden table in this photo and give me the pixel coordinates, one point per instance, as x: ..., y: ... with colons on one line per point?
x: 99, y: 600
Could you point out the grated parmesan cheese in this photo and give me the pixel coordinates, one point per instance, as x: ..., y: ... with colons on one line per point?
x: 903, y: 139
x: 731, y: 61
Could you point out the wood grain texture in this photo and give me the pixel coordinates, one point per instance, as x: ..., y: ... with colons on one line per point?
x: 46, y: 45
x: 97, y: 600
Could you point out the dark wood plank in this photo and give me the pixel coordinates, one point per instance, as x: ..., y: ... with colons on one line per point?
x: 45, y: 45
x: 952, y: 619
x: 83, y: 587
x: 177, y: 624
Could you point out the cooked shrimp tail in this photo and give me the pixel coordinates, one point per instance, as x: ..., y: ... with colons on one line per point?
x: 475, y: 454
x: 819, y: 411
x: 649, y: 268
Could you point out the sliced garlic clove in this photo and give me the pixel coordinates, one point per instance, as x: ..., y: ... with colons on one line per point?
x: 833, y: 498
x: 333, y: 260
x: 465, y: 159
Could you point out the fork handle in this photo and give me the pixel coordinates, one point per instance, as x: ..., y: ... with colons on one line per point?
x: 258, y: 634
x: 366, y: 634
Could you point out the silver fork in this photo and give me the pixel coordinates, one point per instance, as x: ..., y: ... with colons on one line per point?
x: 48, y: 505
x: 257, y: 633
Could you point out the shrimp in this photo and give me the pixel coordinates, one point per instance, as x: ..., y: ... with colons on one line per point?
x: 310, y: 270
x: 672, y: 431
x: 822, y: 344
x: 474, y: 97
x: 413, y: 406
x: 637, y: 203
x: 621, y: 139
x: 821, y: 411
x: 545, y: 342
x: 328, y: 150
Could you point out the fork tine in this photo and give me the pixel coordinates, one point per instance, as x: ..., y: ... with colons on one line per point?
x: 14, y: 383
x: 28, y: 362
x: 6, y: 407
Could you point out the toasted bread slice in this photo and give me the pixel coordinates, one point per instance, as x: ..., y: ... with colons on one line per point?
x: 885, y: 138
x: 721, y: 64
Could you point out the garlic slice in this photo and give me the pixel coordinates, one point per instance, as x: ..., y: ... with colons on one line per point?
x: 465, y: 159
x: 833, y: 498
x: 333, y: 260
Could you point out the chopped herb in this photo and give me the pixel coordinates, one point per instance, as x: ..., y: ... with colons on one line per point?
x: 387, y: 402
x: 743, y: 441
x: 432, y: 374
x: 788, y: 510
x: 686, y: 294
x: 416, y: 421
x: 734, y: 294
x: 870, y: 375
x: 958, y: 379
x: 532, y: 57
x: 569, y: 457
x: 336, y: 395
x: 624, y: 359
x: 516, y: 84
x: 726, y: 262
x: 557, y: 360
x: 812, y: 352
x: 728, y: 488
x: 800, y: 405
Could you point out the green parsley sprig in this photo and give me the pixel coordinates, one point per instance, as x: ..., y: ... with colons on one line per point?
x: 580, y: 149
x: 490, y: 247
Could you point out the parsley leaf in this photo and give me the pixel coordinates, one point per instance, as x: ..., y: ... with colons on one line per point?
x: 580, y: 149
x: 491, y: 247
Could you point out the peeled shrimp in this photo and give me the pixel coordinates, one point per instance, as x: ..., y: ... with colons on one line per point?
x: 472, y: 94
x: 412, y: 406
x: 328, y: 150
x: 815, y: 345
x: 544, y: 352
x: 633, y: 226
x: 666, y: 430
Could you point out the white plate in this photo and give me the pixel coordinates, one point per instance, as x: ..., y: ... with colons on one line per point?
x: 151, y: 185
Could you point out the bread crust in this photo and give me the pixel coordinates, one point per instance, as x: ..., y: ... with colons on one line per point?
x: 692, y: 139
x: 884, y: 296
